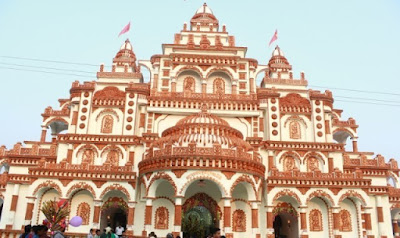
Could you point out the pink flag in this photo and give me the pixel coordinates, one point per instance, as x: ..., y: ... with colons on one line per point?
x: 126, y: 29
x: 274, y: 38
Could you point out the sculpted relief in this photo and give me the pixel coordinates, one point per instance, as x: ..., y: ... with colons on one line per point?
x: 344, y: 220
x: 107, y: 124
x: 84, y: 212
x: 239, y: 221
x: 289, y: 164
x: 295, y: 131
x: 315, y: 220
x: 161, y: 218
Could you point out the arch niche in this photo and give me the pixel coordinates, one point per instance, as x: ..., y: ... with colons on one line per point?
x: 114, y: 210
x: 201, y: 211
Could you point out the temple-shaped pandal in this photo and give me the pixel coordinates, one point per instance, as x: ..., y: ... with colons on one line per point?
x: 201, y: 146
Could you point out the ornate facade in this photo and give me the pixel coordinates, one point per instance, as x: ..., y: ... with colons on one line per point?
x: 199, y: 146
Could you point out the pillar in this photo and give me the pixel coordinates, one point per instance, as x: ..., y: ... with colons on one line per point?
x: 270, y: 221
x: 396, y: 228
x: 14, y: 203
x: 303, y: 221
x: 254, y: 218
x: 227, y: 216
x: 148, y: 214
x: 173, y: 85
x: 270, y: 160
x: 335, y: 214
x: 330, y: 165
x: 29, y: 210
x: 234, y: 87
x: 381, y: 221
x: 178, y: 216
x: 96, y: 215
x: 355, y: 145
x: 69, y: 154
x: 43, y: 135
x: 155, y: 81
x: 366, y: 216
x: 131, y: 217
x: 203, y: 86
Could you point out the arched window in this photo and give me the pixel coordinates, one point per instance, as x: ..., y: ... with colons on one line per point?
x: 239, y: 221
x: 315, y: 220
x: 219, y: 86
x: 294, y: 130
x: 84, y: 212
x: 107, y: 124
x: 161, y: 218
x: 344, y: 220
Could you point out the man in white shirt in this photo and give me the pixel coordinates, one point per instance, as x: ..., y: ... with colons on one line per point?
x: 119, y: 230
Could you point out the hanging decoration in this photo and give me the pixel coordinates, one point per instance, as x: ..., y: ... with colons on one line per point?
x: 55, y: 213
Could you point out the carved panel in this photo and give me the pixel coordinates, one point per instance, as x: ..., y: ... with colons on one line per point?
x: 344, y: 220
x: 315, y: 217
x: 84, y: 212
x: 107, y: 124
x: 295, y: 130
x: 239, y: 221
x: 161, y: 218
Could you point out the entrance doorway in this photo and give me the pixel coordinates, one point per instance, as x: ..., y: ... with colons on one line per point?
x: 285, y: 221
x: 201, y: 214
x: 114, y: 213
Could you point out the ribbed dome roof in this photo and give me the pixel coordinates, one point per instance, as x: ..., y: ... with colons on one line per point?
x: 204, y: 9
x: 126, y: 52
x: 205, y: 130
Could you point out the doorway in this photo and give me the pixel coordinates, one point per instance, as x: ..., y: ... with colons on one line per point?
x: 201, y: 214
x: 114, y: 213
x: 285, y: 223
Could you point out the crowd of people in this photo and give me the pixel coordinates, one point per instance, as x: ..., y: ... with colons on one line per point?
x: 215, y: 233
x: 41, y: 231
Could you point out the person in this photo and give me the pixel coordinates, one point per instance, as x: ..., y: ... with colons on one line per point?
x: 97, y: 234
x: 59, y: 233
x: 119, y: 230
x: 91, y: 233
x: 223, y: 237
x: 152, y: 235
x: 215, y: 233
x: 27, y: 231
x: 169, y: 235
x: 40, y: 231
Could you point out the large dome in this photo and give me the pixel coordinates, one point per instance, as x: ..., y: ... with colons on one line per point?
x: 202, y: 140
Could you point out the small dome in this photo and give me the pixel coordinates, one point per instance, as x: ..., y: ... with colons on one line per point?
x: 204, y: 9
x: 277, y: 52
x: 127, y: 45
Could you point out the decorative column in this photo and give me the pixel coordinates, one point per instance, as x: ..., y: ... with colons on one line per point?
x: 227, y: 216
x: 178, y: 216
x: 381, y: 220
x: 13, y: 206
x: 366, y: 217
x: 29, y: 210
x: 131, y: 217
x: 355, y: 145
x: 203, y: 86
x: 96, y: 214
x: 396, y: 228
x: 303, y: 222
x: 147, y: 215
x: 335, y: 213
x: 270, y: 222
x: 234, y: 86
x: 69, y: 153
x: 254, y: 218
x: 173, y: 84
x: 43, y: 135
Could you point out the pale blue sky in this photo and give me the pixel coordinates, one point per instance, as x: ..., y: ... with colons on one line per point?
x: 348, y: 44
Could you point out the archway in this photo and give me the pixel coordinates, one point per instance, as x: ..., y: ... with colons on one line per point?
x: 286, y: 223
x: 114, y: 213
x: 201, y: 213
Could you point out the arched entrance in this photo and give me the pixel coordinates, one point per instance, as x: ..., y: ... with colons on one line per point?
x: 285, y: 221
x: 114, y: 213
x: 201, y: 213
